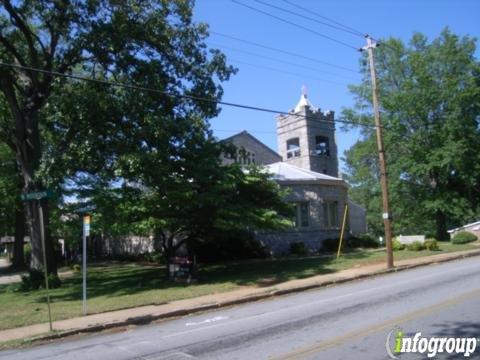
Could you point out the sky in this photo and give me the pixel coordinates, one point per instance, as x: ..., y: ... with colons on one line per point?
x: 274, y: 80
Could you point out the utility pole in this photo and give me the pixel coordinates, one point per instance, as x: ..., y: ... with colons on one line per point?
x: 381, y: 153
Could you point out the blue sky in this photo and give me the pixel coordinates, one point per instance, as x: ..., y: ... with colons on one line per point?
x: 276, y: 85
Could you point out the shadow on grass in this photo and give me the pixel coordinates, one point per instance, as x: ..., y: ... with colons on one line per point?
x: 119, y: 279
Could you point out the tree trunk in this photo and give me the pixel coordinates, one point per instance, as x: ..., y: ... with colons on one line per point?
x: 33, y: 209
x: 441, y: 224
x: 28, y: 157
x: 18, y: 260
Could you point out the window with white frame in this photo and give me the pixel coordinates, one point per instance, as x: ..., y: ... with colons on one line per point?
x: 330, y: 214
x: 302, y: 214
x: 293, y: 147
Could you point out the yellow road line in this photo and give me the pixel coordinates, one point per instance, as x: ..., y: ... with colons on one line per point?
x: 364, y: 332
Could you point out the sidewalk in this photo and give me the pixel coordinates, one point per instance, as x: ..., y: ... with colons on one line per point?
x: 146, y: 314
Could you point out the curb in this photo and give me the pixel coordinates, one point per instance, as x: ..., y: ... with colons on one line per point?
x: 146, y: 319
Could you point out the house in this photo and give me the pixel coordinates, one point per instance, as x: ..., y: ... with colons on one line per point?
x: 473, y: 228
x: 307, y: 164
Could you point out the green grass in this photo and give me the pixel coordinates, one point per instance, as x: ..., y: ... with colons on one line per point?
x: 118, y: 286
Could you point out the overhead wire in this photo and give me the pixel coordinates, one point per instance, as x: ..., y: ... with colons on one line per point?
x: 279, y: 61
x: 310, y: 11
x: 342, y: 28
x: 285, y: 72
x: 295, y: 25
x: 283, y: 51
x: 182, y: 96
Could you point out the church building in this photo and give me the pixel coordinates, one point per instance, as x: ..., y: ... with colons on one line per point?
x: 307, y: 164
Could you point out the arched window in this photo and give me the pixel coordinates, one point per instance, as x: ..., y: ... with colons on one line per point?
x: 293, y: 147
x: 322, y: 146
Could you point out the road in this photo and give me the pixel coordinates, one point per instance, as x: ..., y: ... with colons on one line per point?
x: 348, y: 321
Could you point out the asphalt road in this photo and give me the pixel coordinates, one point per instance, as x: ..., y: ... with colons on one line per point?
x: 349, y: 321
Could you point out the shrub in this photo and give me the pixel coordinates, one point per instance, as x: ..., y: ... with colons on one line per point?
x: 77, y: 268
x: 298, y: 248
x: 329, y: 245
x: 397, y: 245
x: 416, y: 246
x: 463, y: 237
x: 431, y: 244
x: 35, y: 280
x: 225, y: 245
x: 155, y: 257
x: 363, y: 241
x: 27, y: 253
x: 54, y: 281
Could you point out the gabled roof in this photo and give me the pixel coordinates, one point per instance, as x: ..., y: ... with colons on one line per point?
x: 285, y: 172
x: 247, y: 134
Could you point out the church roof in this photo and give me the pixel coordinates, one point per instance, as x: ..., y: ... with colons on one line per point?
x: 283, y: 171
x: 247, y: 134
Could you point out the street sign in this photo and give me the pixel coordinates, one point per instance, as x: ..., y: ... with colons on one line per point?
x: 86, y: 225
x: 86, y: 232
x: 38, y: 195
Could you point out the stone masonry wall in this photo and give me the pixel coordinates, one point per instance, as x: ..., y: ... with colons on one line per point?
x: 313, y: 235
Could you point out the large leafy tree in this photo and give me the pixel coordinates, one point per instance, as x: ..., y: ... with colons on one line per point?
x: 430, y: 103
x: 12, y: 219
x: 185, y: 197
x: 58, y: 128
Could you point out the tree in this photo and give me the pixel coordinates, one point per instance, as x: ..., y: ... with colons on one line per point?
x: 11, y: 208
x: 151, y: 42
x: 430, y: 99
x: 185, y: 197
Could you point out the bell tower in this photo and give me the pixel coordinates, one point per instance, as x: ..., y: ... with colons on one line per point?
x: 306, y: 138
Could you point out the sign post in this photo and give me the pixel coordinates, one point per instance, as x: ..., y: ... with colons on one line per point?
x: 37, y: 196
x: 86, y: 232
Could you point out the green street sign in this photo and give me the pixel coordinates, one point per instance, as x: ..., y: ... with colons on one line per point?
x: 38, y: 195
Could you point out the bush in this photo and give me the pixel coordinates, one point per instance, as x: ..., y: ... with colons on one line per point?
x: 416, y: 246
x: 155, y: 257
x: 27, y: 253
x: 298, y: 248
x: 54, y: 281
x: 227, y: 245
x: 77, y: 268
x: 363, y: 241
x: 32, y: 281
x: 431, y: 244
x: 463, y: 237
x: 36, y: 280
x: 397, y: 245
x: 330, y: 245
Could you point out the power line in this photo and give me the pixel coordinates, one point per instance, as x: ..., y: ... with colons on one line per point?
x: 285, y: 72
x: 278, y: 60
x: 282, y: 51
x: 342, y: 28
x: 296, y: 25
x: 182, y: 96
x: 353, y: 30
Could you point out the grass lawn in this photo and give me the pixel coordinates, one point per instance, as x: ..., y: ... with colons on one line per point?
x: 122, y: 285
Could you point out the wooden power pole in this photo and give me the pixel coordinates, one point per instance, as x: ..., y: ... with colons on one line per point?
x: 381, y: 154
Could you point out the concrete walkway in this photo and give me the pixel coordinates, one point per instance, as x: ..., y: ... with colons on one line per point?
x: 17, y: 277
x: 146, y: 314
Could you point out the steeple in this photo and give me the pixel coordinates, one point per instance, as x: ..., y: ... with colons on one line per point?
x: 306, y: 138
x: 303, y: 102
